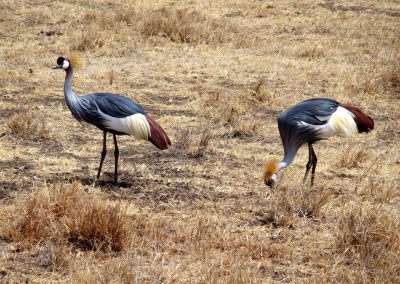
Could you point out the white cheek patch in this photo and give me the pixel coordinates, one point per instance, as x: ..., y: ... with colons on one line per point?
x: 273, y: 177
x: 65, y: 64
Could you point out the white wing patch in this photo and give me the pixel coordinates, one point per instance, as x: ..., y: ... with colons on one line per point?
x: 341, y: 123
x: 135, y: 124
x: 323, y: 118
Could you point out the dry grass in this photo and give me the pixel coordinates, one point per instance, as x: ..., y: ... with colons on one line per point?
x: 314, y: 52
x: 288, y: 203
x: 365, y: 238
x: 215, y: 75
x: 88, y: 40
x: 353, y: 156
x: 202, y: 145
x: 29, y: 124
x: 111, y: 77
x: 232, y: 110
x: 67, y: 214
x: 192, y: 144
x: 378, y: 77
x: 260, y: 91
x: 184, y: 26
x: 178, y: 25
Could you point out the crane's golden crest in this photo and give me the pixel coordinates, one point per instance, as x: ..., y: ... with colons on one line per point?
x: 76, y: 60
x: 270, y: 168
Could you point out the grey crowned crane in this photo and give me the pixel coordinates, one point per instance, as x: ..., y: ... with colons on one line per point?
x: 110, y: 113
x: 310, y: 121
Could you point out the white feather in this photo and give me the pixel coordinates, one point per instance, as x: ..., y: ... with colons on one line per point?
x: 135, y: 125
x: 65, y: 65
x: 323, y: 118
x: 341, y: 122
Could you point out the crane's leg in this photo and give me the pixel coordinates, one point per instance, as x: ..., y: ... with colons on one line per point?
x: 103, y: 153
x: 116, y: 155
x: 314, y: 165
x: 310, y: 161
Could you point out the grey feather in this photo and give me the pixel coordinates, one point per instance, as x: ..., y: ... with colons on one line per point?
x: 90, y: 108
x: 294, y: 133
x: 115, y: 105
x: 310, y: 111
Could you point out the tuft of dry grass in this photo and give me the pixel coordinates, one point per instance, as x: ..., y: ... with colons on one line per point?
x: 380, y: 77
x: 233, y: 110
x: 366, y: 236
x: 97, y: 227
x: 286, y: 204
x: 390, y: 78
x: 184, y: 26
x: 38, y: 215
x: 192, y: 144
x: 244, y: 127
x: 29, y: 124
x: 89, y: 40
x: 353, y: 156
x: 314, y: 52
x: 68, y: 214
x: 201, y: 148
x: 111, y: 77
x: 382, y: 190
x: 260, y: 91
x: 178, y: 25
x: 61, y: 256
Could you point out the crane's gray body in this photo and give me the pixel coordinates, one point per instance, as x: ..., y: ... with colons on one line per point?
x: 111, y: 113
x: 91, y: 108
x: 296, y: 124
x: 310, y: 121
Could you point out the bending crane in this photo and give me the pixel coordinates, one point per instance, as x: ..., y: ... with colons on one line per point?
x: 310, y: 121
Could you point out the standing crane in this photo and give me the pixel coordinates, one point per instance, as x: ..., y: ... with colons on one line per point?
x: 308, y: 122
x: 110, y: 113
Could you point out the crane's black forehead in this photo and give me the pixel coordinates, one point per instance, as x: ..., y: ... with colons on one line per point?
x: 60, y: 60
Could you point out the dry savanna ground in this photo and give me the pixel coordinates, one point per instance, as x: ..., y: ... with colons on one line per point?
x: 215, y: 74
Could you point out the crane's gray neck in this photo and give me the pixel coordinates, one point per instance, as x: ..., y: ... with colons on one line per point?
x: 69, y: 94
x: 70, y: 97
x: 288, y: 158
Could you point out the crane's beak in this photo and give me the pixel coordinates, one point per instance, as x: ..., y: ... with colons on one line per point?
x: 270, y: 183
x: 57, y: 67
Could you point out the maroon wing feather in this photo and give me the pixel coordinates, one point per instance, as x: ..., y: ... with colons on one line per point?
x: 157, y: 135
x: 363, y: 121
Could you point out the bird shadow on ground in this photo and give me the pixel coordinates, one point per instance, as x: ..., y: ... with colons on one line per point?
x: 105, y: 182
x: 159, y: 189
x: 109, y: 183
